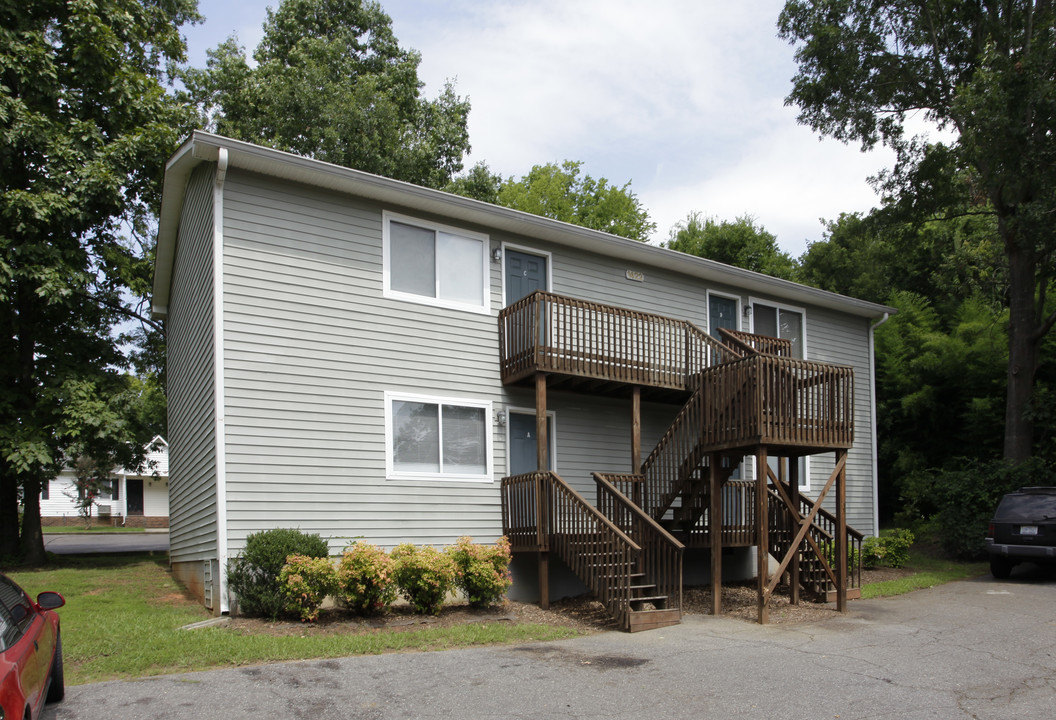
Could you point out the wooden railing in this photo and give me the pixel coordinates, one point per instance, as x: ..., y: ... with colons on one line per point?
x: 748, y: 343
x: 544, y: 332
x: 779, y: 401
x: 542, y: 512
x: 817, y: 574
x: 661, y: 558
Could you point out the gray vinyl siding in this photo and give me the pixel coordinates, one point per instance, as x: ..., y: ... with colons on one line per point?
x: 831, y: 337
x: 311, y: 346
x: 843, y: 339
x: 189, y: 328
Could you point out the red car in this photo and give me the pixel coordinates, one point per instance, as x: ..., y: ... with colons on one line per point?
x: 30, y: 652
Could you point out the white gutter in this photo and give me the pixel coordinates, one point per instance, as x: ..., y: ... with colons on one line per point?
x: 872, y: 413
x: 218, y: 376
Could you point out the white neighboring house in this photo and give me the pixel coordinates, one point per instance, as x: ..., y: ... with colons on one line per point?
x: 140, y: 498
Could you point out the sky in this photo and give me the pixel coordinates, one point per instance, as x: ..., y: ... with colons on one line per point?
x: 683, y: 98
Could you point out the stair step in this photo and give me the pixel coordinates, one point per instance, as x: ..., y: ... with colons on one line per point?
x: 654, y: 599
x: 639, y: 620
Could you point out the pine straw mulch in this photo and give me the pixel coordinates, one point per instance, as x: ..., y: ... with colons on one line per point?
x: 580, y: 613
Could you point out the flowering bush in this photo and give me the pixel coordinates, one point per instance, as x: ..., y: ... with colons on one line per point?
x: 306, y: 581
x: 483, y: 571
x: 365, y: 582
x: 424, y: 575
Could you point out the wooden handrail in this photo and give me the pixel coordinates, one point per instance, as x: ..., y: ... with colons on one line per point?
x: 546, y: 332
x: 750, y: 343
x: 661, y: 552
x: 559, y: 519
x: 771, y: 400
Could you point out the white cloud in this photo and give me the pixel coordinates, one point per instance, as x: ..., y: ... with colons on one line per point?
x: 683, y: 98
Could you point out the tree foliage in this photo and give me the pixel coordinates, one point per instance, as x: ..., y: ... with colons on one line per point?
x: 87, y: 127
x: 986, y: 72
x: 331, y: 82
x: 741, y: 243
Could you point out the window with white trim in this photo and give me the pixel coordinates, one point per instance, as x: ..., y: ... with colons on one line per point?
x: 787, y: 323
x: 779, y: 322
x: 434, y: 264
x: 437, y: 438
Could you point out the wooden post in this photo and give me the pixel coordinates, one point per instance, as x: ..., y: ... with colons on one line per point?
x: 762, y: 535
x: 636, y: 429
x: 793, y: 491
x: 841, y: 532
x: 715, y: 532
x: 542, y: 497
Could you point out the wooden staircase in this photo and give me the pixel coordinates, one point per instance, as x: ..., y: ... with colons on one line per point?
x: 746, y: 396
x: 631, y: 564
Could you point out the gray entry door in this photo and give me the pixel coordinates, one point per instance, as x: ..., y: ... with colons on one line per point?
x: 722, y: 313
x: 524, y: 275
x: 523, y: 445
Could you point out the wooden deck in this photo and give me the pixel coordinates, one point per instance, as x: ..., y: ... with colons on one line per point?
x: 748, y: 397
x: 603, y: 347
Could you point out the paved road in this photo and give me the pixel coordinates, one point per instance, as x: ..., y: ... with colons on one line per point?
x: 94, y: 542
x: 976, y: 649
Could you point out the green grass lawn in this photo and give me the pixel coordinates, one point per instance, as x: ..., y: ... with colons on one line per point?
x: 123, y: 614
x: 928, y: 571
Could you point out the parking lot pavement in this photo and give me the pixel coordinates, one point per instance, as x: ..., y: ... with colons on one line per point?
x: 101, y: 542
x: 976, y: 649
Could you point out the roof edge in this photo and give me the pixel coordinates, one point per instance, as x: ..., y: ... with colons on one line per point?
x: 204, y: 147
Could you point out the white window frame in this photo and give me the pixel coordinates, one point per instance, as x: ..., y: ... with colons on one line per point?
x: 527, y: 251
x: 392, y: 474
x: 753, y: 301
x: 485, y: 305
x: 729, y: 296
x: 804, y: 482
x: 551, y: 416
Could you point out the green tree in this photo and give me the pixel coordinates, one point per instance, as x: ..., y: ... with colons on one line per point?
x: 560, y: 192
x: 331, y: 82
x: 480, y: 183
x: 87, y: 127
x: 741, y: 243
x: 981, y: 70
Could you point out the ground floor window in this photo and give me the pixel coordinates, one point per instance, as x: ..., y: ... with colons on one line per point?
x: 441, y: 438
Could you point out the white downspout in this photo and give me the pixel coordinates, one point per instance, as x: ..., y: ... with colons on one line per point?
x: 872, y: 412
x: 218, y: 377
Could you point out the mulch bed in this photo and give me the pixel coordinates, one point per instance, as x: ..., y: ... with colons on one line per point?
x: 581, y: 613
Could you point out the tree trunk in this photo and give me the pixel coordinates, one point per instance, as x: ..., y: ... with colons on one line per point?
x: 32, y: 537
x: 1022, y: 350
x: 26, y: 392
x: 8, y: 512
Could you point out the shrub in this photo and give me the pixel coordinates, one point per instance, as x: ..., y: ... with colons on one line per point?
x: 305, y: 582
x: 961, y: 502
x: 483, y: 571
x: 365, y: 579
x: 424, y: 575
x: 253, y: 575
x: 891, y: 549
x: 829, y: 548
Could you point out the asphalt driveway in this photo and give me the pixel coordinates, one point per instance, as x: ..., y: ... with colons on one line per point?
x: 101, y: 542
x: 975, y: 649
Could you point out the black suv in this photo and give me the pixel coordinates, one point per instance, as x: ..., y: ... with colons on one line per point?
x: 1023, y: 528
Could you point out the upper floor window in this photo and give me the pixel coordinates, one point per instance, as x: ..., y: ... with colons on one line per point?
x: 780, y: 322
x: 430, y: 263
